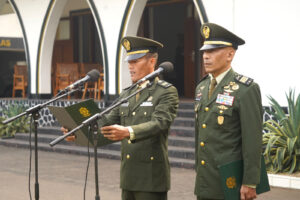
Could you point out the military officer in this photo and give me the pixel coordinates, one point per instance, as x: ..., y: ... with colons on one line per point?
x: 143, y: 126
x: 228, y: 114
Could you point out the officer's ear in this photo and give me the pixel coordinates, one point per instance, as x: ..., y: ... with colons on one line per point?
x: 230, y: 53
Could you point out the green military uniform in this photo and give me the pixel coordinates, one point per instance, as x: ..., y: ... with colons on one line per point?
x: 228, y: 125
x: 145, y: 169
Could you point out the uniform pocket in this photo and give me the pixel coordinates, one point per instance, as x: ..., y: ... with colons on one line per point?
x: 144, y: 113
x: 222, y: 116
x: 123, y: 112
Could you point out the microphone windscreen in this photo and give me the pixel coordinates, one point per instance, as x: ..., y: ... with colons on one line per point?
x: 167, y: 66
x: 94, y: 75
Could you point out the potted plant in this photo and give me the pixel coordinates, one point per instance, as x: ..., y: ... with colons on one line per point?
x: 21, y: 125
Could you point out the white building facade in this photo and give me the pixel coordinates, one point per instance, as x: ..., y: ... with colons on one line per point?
x: 269, y: 27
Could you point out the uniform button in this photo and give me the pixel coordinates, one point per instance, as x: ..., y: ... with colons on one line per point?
x: 129, y: 141
x: 128, y: 156
x: 206, y: 109
x: 145, y: 113
x: 151, y: 158
x: 202, y: 162
x: 203, y: 125
x: 122, y: 113
x: 202, y: 144
x: 133, y: 113
x: 221, y: 111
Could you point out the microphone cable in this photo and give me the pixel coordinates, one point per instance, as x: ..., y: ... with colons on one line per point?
x: 30, y: 157
x: 88, y: 164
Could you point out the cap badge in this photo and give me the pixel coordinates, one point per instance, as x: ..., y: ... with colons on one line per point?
x: 126, y: 44
x: 206, y: 32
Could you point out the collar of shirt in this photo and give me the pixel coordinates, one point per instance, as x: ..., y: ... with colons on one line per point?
x: 143, y: 84
x: 220, y: 77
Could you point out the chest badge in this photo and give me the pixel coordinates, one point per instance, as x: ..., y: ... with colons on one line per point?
x: 225, y: 99
x: 220, y: 120
x: 198, y: 96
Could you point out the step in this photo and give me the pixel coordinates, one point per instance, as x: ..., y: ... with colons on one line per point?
x: 186, y: 105
x: 181, y: 152
x: 182, y: 131
x: 54, y: 130
x: 184, y: 121
x: 102, y: 153
x: 181, y: 141
x: 186, y: 113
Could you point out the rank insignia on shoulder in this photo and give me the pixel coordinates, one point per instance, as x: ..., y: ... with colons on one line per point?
x: 244, y: 79
x: 164, y: 84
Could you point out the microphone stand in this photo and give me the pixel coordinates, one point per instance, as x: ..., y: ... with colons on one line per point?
x: 92, y: 123
x: 34, y: 112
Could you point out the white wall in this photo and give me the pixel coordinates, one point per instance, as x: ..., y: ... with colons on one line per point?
x: 111, y: 15
x: 10, y: 26
x: 271, y: 29
x: 32, y: 13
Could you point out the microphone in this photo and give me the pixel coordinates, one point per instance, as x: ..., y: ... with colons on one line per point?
x: 92, y: 76
x: 164, y: 67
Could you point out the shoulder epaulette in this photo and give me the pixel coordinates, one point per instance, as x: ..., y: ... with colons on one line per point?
x: 243, y: 79
x: 164, y: 84
x: 202, y: 79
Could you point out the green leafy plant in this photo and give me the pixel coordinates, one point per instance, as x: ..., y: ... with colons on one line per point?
x: 21, y: 125
x: 282, y: 137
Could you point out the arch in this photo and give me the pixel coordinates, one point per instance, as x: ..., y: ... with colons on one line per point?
x: 46, y: 41
x: 25, y: 41
x: 129, y: 26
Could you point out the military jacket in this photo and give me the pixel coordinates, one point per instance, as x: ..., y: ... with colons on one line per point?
x: 144, y: 161
x: 228, y: 127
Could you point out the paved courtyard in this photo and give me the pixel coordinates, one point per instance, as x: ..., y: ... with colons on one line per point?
x: 61, y: 176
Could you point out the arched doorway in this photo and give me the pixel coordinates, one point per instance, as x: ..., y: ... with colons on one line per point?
x: 12, y: 51
x: 77, y: 41
x: 175, y: 23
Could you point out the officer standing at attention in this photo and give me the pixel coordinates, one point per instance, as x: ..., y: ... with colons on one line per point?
x: 228, y: 117
x: 143, y: 125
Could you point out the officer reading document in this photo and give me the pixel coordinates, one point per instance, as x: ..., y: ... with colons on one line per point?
x: 228, y: 113
x: 143, y: 125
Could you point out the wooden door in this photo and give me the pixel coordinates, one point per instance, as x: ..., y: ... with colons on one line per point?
x: 189, y: 61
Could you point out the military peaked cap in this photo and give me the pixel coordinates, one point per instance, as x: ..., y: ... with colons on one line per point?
x: 216, y: 36
x: 138, y: 47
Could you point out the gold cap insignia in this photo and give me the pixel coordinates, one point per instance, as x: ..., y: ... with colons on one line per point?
x: 231, y: 182
x: 84, y: 112
x: 206, y: 32
x: 126, y: 44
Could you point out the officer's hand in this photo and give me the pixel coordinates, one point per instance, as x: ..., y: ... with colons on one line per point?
x: 247, y: 193
x: 115, y: 132
x: 70, y: 138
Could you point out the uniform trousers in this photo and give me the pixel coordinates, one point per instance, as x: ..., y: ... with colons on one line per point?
x: 136, y: 195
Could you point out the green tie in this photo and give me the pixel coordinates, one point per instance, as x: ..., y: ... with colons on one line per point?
x: 212, y: 86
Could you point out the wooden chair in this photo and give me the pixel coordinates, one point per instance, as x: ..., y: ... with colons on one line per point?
x: 91, y: 87
x: 20, y: 79
x: 66, y: 74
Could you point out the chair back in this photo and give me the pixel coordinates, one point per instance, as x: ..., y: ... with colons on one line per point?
x: 21, y: 70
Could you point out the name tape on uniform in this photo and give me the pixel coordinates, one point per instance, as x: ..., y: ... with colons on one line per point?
x: 147, y: 103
